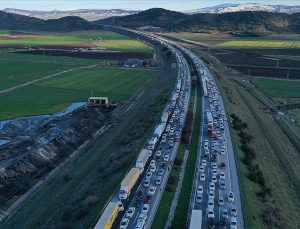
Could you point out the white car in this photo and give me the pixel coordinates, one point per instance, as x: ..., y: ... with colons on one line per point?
x: 143, y: 216
x: 212, y: 186
x: 124, y: 223
x: 201, y: 169
x: 222, y: 151
x: 225, y: 213
x: 210, y: 204
x: 200, y: 189
x: 233, y: 223
x: 214, y: 165
x: 151, y: 190
x: 221, y: 201
x: 202, y: 177
x: 222, y: 175
x: 140, y: 224
x: 204, y: 163
x: 120, y: 206
x: 199, y: 198
x: 233, y: 211
x: 148, y: 175
x: 145, y: 208
x: 158, y: 153
x: 214, y: 179
x: 211, y: 195
x: 152, y: 163
x: 210, y: 214
x: 152, y: 168
x: 166, y: 157
x: 130, y: 212
x: 230, y: 196
x: 215, y: 172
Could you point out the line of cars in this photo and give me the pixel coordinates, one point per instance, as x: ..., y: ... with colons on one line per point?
x: 154, y: 162
x: 213, y: 193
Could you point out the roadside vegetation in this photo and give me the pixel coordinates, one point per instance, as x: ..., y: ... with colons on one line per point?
x: 182, y: 209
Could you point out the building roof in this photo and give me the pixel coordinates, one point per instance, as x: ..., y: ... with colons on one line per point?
x: 98, y: 98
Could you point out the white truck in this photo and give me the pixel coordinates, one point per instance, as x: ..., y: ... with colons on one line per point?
x: 196, y: 219
x: 142, y: 159
x: 165, y: 117
x: 129, y: 182
x: 152, y: 143
x: 210, y: 121
x: 159, y: 130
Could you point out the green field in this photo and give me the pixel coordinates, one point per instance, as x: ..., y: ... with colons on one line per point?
x: 106, y: 39
x: 260, y: 44
x: 278, y: 88
x: 55, y: 94
x: 223, y: 40
x: 13, y: 74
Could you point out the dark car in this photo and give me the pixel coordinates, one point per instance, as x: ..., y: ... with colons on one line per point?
x: 147, y: 199
x: 223, y: 165
x: 222, y: 224
x: 211, y: 223
x: 139, y: 194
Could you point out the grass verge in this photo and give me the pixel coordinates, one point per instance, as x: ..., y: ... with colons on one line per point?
x: 181, y: 212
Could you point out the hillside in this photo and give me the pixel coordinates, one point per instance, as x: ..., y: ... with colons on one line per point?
x: 255, y: 23
x: 12, y: 21
x: 87, y: 14
x: 229, y: 8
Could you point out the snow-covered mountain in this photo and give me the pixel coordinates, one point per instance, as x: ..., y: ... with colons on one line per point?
x: 227, y: 8
x: 87, y: 14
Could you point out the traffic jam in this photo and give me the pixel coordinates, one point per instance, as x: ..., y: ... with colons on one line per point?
x: 214, y: 199
x: 135, y: 204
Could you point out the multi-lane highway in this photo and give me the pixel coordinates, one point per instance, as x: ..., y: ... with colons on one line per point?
x: 216, y: 190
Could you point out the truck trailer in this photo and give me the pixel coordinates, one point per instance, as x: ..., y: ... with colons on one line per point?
x: 196, y: 219
x: 129, y: 182
x: 210, y: 121
x: 108, y: 216
x: 142, y: 159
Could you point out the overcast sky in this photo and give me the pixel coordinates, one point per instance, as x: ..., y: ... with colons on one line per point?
x: 127, y: 4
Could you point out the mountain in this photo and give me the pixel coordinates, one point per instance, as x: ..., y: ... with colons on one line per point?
x: 87, y: 14
x: 242, y: 23
x: 12, y: 21
x: 156, y: 17
x: 229, y: 8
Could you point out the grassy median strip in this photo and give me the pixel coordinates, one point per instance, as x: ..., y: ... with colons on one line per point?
x: 162, y: 213
x: 181, y: 212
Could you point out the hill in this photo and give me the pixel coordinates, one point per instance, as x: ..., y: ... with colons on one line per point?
x: 227, y: 8
x: 87, y: 14
x: 242, y: 23
x: 12, y: 21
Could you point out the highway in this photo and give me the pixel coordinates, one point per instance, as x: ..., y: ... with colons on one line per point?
x: 215, y: 175
x: 213, y: 103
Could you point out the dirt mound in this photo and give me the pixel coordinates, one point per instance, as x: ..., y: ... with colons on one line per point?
x: 38, y: 144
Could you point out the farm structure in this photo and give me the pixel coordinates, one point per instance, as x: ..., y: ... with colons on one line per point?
x: 98, y: 101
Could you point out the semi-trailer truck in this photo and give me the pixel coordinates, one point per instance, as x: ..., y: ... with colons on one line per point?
x: 129, y: 182
x: 108, y: 216
x: 142, y: 159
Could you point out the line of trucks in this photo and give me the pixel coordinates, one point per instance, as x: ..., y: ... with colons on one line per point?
x: 131, y: 179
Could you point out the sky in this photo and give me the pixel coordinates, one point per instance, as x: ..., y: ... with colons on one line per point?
x: 178, y: 5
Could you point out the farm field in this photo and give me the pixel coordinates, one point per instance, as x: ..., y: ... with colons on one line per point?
x: 13, y: 73
x: 225, y: 40
x: 278, y: 88
x: 259, y: 44
x: 55, y: 94
x: 105, y: 39
x: 105, y: 161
